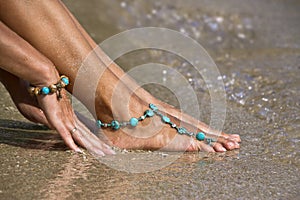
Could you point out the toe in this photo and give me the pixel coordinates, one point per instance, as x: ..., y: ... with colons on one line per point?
x: 199, y: 146
x: 228, y: 144
x: 233, y: 145
x: 235, y: 137
x: 219, y: 147
x: 205, y: 147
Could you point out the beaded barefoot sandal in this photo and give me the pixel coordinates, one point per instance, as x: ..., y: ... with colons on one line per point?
x: 115, y: 125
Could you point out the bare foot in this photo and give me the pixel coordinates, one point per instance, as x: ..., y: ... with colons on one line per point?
x: 30, y: 109
x: 119, y: 101
x: 25, y: 103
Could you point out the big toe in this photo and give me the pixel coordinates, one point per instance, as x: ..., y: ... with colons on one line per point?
x: 200, y: 146
x: 219, y: 147
x: 228, y: 143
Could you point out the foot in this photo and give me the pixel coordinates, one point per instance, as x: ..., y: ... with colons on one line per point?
x: 30, y: 109
x: 117, y: 100
x: 25, y: 103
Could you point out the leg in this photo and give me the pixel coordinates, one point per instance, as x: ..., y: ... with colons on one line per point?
x: 69, y: 48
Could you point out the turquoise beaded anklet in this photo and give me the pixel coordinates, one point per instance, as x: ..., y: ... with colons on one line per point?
x: 115, y: 125
x: 54, y: 88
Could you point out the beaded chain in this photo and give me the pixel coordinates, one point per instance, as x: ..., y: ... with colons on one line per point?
x: 115, y: 125
x: 54, y: 88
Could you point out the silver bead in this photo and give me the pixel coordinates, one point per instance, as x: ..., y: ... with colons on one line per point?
x: 190, y: 134
x: 173, y: 125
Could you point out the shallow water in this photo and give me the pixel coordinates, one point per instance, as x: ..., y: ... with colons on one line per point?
x: 256, y: 45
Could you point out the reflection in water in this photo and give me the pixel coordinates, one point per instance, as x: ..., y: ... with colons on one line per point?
x: 74, y: 168
x: 143, y: 162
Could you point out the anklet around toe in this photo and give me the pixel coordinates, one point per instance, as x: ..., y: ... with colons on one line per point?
x: 153, y: 110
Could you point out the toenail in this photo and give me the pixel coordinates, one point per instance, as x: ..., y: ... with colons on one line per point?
x: 223, y: 149
x: 230, y: 144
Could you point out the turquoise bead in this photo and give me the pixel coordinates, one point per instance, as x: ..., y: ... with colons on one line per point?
x: 45, y: 90
x: 166, y: 119
x: 149, y: 113
x: 153, y: 107
x: 200, y: 136
x: 133, y: 121
x: 99, y: 123
x: 115, y: 124
x: 181, y: 130
x: 65, y: 80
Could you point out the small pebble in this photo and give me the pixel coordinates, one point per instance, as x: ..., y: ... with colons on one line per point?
x: 123, y: 4
x: 241, y: 35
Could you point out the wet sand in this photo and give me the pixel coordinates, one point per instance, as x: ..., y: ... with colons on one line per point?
x: 258, y: 56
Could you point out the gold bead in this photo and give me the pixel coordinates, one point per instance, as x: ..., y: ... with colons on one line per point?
x: 63, y: 76
x: 31, y: 90
x: 62, y: 84
x: 36, y: 91
x: 53, y: 88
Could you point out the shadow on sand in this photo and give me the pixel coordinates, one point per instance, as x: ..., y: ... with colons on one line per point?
x: 29, y: 136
